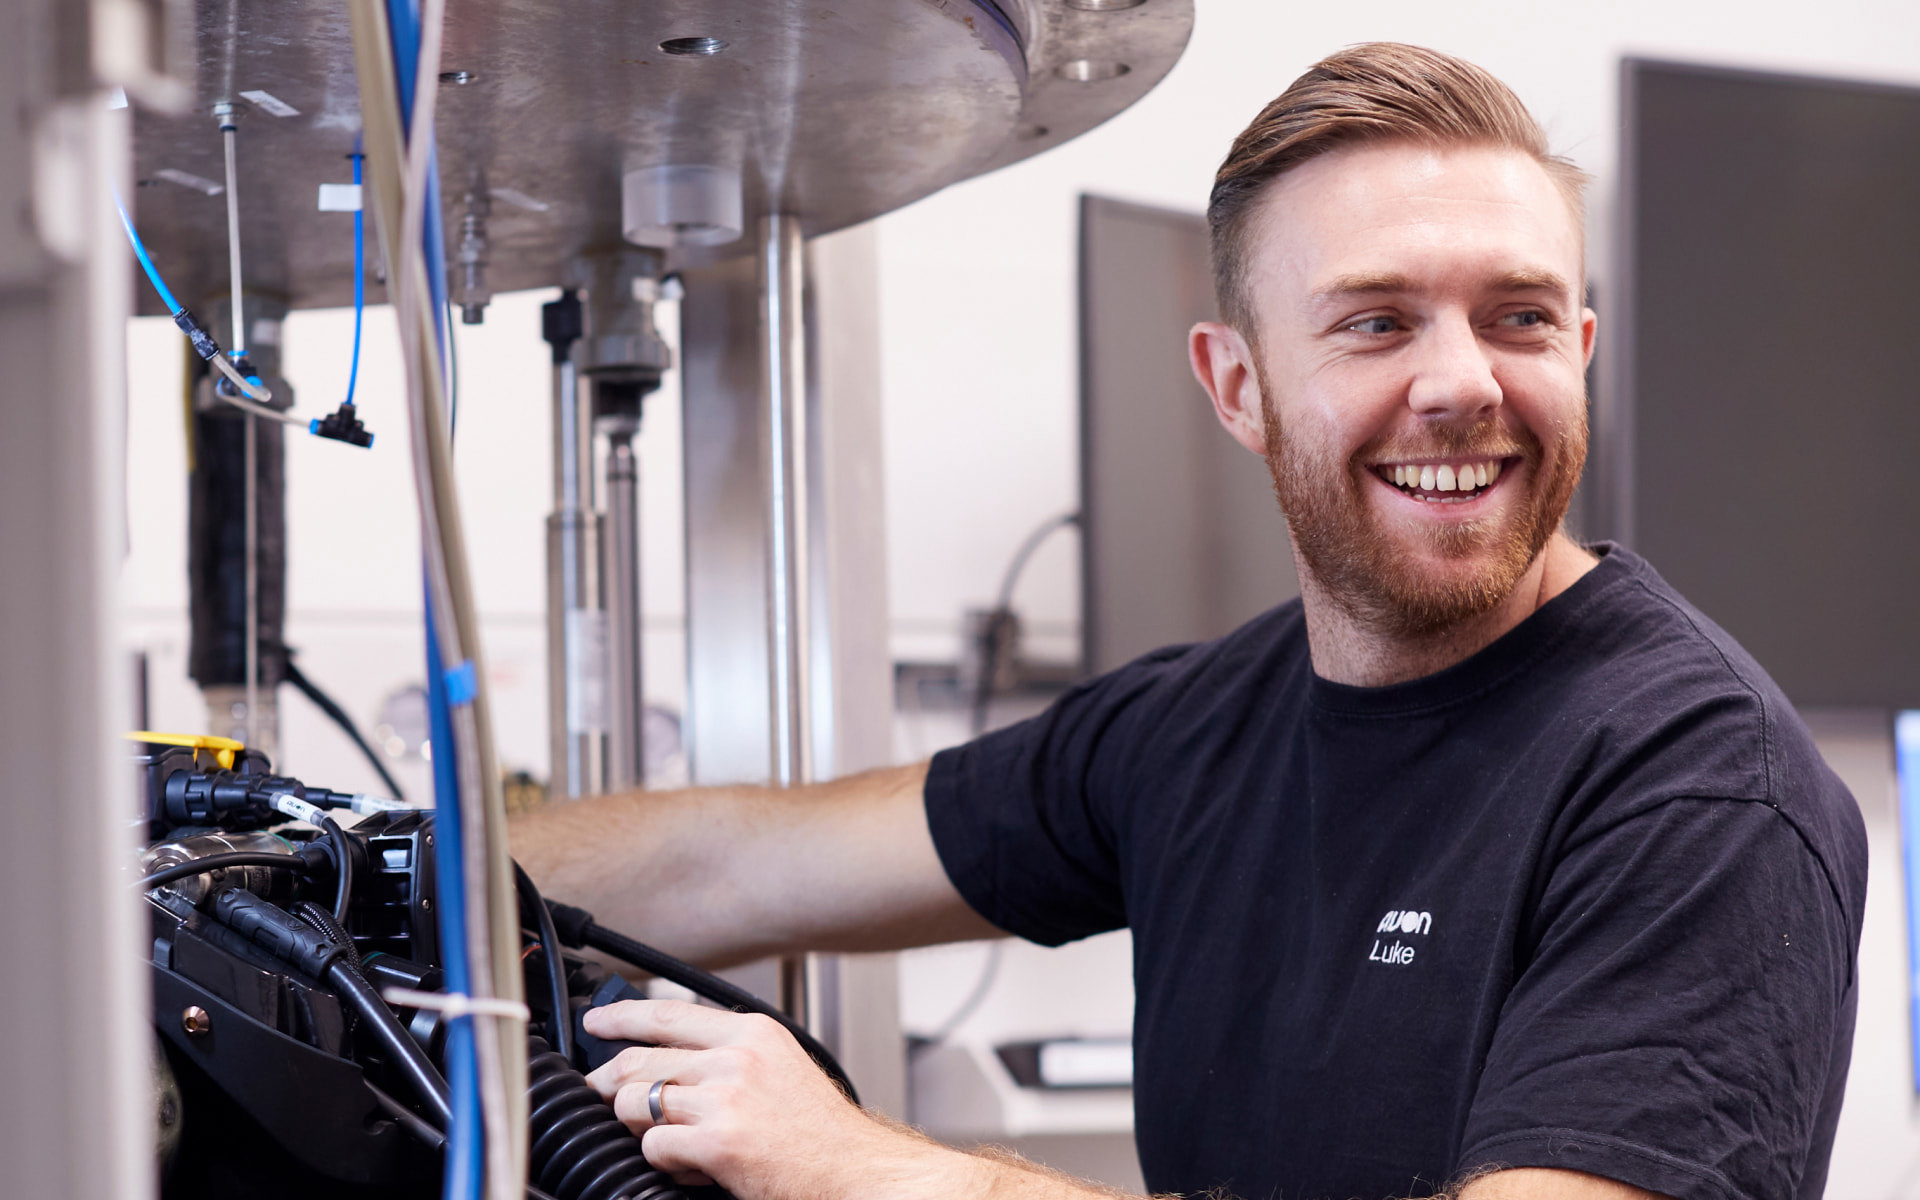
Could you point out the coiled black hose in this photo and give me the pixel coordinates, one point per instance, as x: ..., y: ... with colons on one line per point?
x: 579, y: 1150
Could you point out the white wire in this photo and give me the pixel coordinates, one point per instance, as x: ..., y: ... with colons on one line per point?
x: 500, y: 1103
x: 253, y: 396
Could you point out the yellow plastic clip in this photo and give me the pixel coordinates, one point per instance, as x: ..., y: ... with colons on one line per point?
x: 223, y: 748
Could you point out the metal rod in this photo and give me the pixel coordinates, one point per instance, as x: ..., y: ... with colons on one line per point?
x: 251, y: 502
x: 783, y: 394
x: 229, y: 133
x: 576, y: 629
x: 626, y: 741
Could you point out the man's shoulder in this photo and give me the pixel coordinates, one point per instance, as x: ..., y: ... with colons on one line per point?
x: 1678, y: 708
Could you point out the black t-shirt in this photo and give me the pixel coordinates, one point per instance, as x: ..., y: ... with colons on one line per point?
x: 1589, y: 899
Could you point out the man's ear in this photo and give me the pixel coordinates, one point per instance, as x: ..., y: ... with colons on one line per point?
x: 1223, y: 363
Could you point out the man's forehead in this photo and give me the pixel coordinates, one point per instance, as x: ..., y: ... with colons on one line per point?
x: 1396, y: 217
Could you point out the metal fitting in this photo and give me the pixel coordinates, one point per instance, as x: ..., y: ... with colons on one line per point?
x: 197, y: 1021
x: 472, y: 255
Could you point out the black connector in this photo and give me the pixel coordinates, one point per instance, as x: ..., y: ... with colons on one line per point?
x: 203, y: 343
x: 342, y: 425
x: 276, y: 931
x: 562, y: 323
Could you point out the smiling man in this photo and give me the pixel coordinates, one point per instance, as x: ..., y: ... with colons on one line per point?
x: 1488, y: 865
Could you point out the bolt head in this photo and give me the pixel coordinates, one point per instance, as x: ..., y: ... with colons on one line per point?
x: 197, y: 1021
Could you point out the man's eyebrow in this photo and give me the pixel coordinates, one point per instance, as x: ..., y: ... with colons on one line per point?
x: 1384, y: 283
x: 1360, y: 283
x: 1531, y: 279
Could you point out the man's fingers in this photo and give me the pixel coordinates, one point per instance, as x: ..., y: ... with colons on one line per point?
x: 671, y: 1148
x: 638, y: 1064
x: 667, y: 1023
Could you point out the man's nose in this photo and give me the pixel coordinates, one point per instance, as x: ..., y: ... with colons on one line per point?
x: 1453, y: 375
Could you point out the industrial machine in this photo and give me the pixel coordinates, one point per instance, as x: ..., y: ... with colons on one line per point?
x: 298, y: 990
x: 356, y: 997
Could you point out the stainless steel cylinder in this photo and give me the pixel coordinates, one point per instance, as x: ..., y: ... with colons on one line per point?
x: 783, y: 394
x: 576, y: 624
x: 626, y: 707
x: 783, y: 398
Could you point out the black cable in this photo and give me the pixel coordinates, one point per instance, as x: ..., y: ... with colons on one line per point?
x: 303, y: 947
x: 981, y: 987
x: 325, y: 703
x: 532, y: 904
x: 1000, y: 619
x: 582, y: 930
x: 217, y: 862
x: 431, y: 1137
x: 409, y: 1120
x: 343, y: 864
x: 406, y: 1053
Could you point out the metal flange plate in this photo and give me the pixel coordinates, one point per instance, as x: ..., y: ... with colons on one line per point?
x: 837, y: 112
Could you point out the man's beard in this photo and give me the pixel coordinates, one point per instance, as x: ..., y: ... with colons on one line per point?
x: 1367, y: 573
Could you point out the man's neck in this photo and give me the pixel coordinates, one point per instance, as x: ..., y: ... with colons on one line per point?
x: 1350, y: 651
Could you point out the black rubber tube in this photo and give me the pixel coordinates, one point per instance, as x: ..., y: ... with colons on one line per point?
x: 409, y: 1120
x: 532, y: 905
x: 711, y: 986
x: 218, y: 862
x: 577, y: 1149
x: 343, y: 864
x: 406, y: 1053
x: 338, y: 716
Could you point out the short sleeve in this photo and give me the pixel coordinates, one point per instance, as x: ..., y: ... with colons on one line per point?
x: 1028, y: 820
x: 1684, y: 1010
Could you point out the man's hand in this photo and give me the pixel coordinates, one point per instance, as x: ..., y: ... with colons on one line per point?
x: 747, y: 1109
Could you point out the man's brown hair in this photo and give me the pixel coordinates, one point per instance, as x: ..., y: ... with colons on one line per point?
x: 1370, y: 93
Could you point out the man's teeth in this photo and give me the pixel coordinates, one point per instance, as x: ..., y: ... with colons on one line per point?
x: 1446, y: 477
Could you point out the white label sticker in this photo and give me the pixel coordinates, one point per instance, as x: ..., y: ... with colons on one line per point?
x: 339, y: 197
x: 587, y: 671
x: 269, y: 103
x: 298, y: 809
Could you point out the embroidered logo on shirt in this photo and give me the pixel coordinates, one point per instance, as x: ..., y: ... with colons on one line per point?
x: 1401, y: 921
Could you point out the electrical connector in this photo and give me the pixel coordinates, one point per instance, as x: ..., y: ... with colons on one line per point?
x: 342, y: 425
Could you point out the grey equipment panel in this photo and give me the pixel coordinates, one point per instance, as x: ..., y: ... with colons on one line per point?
x: 1771, y: 253
x: 1183, y: 538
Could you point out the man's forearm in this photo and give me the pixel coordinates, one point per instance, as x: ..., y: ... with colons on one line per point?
x: 725, y: 875
x: 655, y: 865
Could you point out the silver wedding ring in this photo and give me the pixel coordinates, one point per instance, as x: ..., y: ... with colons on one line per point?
x: 656, y: 1109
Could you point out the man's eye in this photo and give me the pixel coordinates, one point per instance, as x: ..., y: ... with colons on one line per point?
x: 1374, y: 325
x: 1524, y: 319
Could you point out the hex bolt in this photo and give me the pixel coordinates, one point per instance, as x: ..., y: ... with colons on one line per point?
x: 196, y: 1021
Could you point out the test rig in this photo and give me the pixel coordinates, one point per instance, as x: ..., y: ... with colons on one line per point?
x: 325, y: 1025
